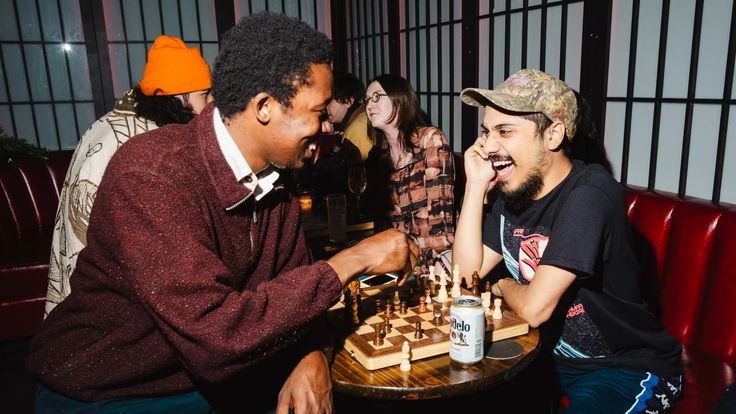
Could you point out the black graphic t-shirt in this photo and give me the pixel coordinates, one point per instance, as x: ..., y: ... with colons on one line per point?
x: 582, y: 226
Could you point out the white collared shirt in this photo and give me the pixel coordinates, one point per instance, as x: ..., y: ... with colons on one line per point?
x: 260, y: 183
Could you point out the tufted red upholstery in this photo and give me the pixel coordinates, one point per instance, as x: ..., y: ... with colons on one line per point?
x: 693, y: 245
x: 29, y: 194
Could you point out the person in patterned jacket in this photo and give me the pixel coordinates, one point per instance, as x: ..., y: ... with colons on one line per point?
x: 174, y: 88
x: 560, y: 227
x: 411, y: 169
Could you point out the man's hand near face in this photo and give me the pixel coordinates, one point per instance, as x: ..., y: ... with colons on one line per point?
x: 469, y: 252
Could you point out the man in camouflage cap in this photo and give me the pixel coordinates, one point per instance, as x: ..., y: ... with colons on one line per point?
x: 561, y: 229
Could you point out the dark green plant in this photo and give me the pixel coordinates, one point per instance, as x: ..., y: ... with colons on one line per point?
x: 11, y: 147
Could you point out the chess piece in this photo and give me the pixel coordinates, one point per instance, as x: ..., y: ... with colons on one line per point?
x: 487, y: 287
x: 422, y: 303
x: 485, y: 299
x: 405, y: 357
x: 378, y: 334
x: 354, y: 312
x: 475, y: 286
x: 379, y: 306
x: 497, y: 312
x: 442, y: 294
x: 455, y: 292
x: 402, y: 307
x: 389, y: 309
x: 387, y: 324
x: 418, y: 330
x: 437, y: 313
x: 397, y: 299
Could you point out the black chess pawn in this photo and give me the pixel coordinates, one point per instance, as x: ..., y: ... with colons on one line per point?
x: 418, y: 330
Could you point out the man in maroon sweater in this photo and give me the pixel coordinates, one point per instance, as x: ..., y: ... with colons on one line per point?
x: 196, y: 281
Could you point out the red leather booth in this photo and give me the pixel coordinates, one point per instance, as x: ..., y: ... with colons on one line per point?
x: 29, y: 194
x: 693, y: 243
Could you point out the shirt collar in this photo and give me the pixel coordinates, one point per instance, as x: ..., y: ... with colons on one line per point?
x: 260, y: 183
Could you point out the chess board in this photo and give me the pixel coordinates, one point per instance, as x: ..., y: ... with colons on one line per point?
x: 434, y: 341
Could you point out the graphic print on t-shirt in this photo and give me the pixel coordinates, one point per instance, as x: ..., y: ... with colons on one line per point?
x: 523, y: 249
x: 531, y: 250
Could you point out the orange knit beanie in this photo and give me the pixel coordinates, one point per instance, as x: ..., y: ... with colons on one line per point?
x: 174, y: 68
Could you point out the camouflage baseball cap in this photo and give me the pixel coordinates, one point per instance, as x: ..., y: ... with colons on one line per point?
x: 530, y: 90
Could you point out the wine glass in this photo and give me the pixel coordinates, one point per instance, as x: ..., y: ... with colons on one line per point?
x: 356, y: 183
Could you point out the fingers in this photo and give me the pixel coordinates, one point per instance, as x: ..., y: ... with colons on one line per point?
x: 411, y: 259
x: 282, y: 407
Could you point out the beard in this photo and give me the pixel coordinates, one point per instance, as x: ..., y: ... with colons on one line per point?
x: 521, y: 198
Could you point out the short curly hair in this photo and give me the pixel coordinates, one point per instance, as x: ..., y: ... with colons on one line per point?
x: 266, y: 52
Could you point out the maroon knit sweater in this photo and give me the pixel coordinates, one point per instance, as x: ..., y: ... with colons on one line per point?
x: 179, y: 283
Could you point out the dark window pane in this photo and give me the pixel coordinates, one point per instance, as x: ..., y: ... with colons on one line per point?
x: 24, y: 123
x: 85, y: 117
x: 50, y: 20
x: 80, y: 72
x: 67, y: 126
x: 28, y: 20
x: 133, y: 23
x: 6, y: 121
x: 207, y: 20
x: 137, y: 55
x: 8, y: 30
x: 36, y: 71
x: 16, y: 73
x: 189, y: 20
x: 45, y: 118
x: 72, y: 18
x: 59, y: 78
x: 153, y: 19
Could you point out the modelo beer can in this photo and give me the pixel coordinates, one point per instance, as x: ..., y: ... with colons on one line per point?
x: 467, y: 330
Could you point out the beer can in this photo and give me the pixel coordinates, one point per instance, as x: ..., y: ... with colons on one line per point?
x: 467, y: 330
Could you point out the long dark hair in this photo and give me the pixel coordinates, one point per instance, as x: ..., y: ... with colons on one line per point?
x: 161, y: 109
x: 407, y: 112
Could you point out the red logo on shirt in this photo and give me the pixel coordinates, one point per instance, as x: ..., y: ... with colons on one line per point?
x: 575, y: 310
x: 531, y: 250
x: 519, y: 232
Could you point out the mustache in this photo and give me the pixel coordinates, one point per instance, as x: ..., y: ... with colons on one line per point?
x: 498, y: 158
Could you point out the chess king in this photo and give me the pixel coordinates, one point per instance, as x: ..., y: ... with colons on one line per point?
x: 560, y: 227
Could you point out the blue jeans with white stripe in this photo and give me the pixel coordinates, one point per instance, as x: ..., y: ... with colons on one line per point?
x: 618, y: 391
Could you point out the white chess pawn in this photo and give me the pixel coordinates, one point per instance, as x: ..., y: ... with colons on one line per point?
x: 485, y: 299
x: 455, y: 292
x: 497, y: 313
x: 405, y: 357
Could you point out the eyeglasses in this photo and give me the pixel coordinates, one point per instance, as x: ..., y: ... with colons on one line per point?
x: 375, y: 97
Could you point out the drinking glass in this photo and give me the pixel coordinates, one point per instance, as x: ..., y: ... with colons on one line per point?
x: 356, y: 183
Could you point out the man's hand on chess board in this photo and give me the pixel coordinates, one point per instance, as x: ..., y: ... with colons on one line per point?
x: 385, y: 252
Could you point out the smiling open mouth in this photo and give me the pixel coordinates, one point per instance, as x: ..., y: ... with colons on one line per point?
x: 500, y: 165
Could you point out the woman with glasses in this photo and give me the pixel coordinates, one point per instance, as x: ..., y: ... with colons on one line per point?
x: 410, y: 168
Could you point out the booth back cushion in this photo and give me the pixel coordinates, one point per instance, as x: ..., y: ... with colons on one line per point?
x: 29, y: 195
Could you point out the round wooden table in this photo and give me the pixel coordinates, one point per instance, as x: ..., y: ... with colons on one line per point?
x: 433, y: 377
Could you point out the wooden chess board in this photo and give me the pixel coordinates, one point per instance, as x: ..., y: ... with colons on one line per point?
x: 434, y: 341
